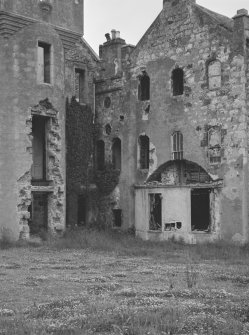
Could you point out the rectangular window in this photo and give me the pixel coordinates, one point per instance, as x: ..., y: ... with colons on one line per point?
x: 39, y: 148
x: 79, y: 85
x: 155, y: 203
x: 117, y: 218
x: 44, y: 63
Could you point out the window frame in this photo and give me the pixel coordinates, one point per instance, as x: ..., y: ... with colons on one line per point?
x: 177, y: 145
x: 44, y: 69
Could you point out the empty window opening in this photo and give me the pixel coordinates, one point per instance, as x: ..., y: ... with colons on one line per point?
x: 38, y: 222
x: 214, y: 145
x: 108, y: 129
x: 177, y: 145
x: 155, y: 220
x: 39, y: 154
x: 172, y: 226
x: 100, y: 155
x: 44, y: 62
x: 107, y: 102
x: 80, y: 85
x: 117, y: 218
x: 116, y: 153
x: 200, y: 210
x: 214, y: 75
x: 144, y: 87
x: 144, y: 144
x: 82, y: 210
x: 177, y: 81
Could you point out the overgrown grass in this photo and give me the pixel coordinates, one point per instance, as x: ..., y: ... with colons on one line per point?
x: 126, y: 244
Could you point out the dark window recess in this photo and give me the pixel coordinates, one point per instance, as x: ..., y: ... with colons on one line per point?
x: 144, y: 143
x: 38, y: 222
x: 108, y: 129
x: 117, y: 218
x: 177, y: 146
x: 39, y: 154
x: 116, y: 153
x: 155, y: 220
x: 79, y: 86
x: 177, y: 81
x: 107, y: 102
x: 200, y: 210
x: 144, y: 87
x: 82, y: 210
x: 100, y: 155
x: 44, y: 62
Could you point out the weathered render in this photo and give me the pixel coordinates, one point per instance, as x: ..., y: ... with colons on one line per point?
x: 177, y: 104
x: 40, y: 66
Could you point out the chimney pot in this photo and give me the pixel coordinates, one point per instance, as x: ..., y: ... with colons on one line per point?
x: 108, y: 38
x: 242, y: 11
x: 117, y: 34
x: 113, y: 34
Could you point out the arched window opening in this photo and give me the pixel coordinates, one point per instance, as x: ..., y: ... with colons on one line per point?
x: 144, y: 87
x: 177, y: 145
x: 177, y: 81
x: 214, y: 75
x: 116, y: 153
x: 144, y: 144
x: 100, y: 155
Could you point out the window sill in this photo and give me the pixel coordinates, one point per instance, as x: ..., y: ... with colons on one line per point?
x: 41, y: 182
x: 40, y: 83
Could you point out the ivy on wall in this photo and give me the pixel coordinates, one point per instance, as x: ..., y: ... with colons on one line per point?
x: 79, y: 144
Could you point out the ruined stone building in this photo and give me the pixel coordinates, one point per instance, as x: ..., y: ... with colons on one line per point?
x: 152, y: 137
x: 44, y: 62
x: 173, y: 121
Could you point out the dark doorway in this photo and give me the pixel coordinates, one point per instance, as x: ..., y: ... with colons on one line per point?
x: 82, y: 210
x: 117, y: 218
x: 200, y: 210
x: 155, y: 211
x: 38, y: 222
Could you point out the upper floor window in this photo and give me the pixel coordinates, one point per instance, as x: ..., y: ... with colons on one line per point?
x: 144, y: 87
x: 79, y: 85
x: 44, y: 62
x: 100, y: 155
x: 144, y: 146
x: 177, y: 81
x: 177, y: 145
x: 214, y: 75
x: 116, y: 153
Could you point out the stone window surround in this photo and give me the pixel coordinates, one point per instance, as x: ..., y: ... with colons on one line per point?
x: 39, y: 81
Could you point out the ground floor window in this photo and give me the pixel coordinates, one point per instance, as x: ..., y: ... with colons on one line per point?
x: 155, y: 206
x: 200, y: 210
x: 38, y: 213
x: 117, y: 218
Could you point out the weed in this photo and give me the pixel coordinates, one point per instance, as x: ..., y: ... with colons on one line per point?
x: 192, y: 274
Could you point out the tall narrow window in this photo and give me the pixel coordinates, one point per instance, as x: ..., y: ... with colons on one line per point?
x: 177, y: 81
x: 79, y: 85
x: 144, y: 146
x: 116, y: 153
x: 177, y: 145
x: 39, y: 148
x: 100, y: 155
x: 44, y: 63
x: 144, y: 87
x: 155, y: 220
x: 214, y: 75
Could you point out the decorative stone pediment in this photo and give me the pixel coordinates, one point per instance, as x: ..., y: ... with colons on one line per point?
x: 44, y: 108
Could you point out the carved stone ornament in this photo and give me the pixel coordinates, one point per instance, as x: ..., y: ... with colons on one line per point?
x: 46, y: 5
x: 44, y: 108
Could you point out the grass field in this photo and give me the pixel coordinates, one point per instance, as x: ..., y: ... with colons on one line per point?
x: 103, y: 283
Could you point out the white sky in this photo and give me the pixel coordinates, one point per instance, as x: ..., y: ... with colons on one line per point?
x: 133, y: 17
